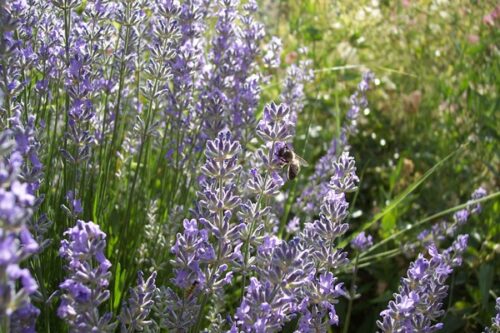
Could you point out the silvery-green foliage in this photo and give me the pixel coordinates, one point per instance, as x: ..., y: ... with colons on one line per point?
x: 157, y: 233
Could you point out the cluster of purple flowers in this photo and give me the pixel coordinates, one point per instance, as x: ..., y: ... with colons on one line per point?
x: 17, y: 204
x: 362, y: 242
x: 231, y: 89
x: 135, y: 316
x: 294, y: 278
x: 86, y: 286
x: 419, y: 302
x: 209, y: 246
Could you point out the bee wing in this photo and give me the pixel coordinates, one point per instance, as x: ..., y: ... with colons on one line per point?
x: 301, y: 160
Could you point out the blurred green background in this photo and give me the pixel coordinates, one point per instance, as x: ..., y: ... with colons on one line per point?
x: 437, y: 65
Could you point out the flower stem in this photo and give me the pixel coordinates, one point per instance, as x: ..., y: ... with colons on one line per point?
x: 352, y: 293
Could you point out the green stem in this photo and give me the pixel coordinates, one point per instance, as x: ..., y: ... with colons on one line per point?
x: 200, y: 315
x: 380, y: 255
x: 139, y: 159
x: 5, y: 319
x: 351, y: 295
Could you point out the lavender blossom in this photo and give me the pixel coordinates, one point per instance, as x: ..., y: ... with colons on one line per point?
x: 173, y: 312
x: 7, y: 23
x: 319, y: 238
x: 294, y: 278
x: 418, y: 304
x: 264, y: 180
x: 203, y: 255
x: 191, y: 250
x: 292, y: 91
x: 273, y: 53
x: 81, y: 111
x: 231, y: 89
x: 214, y: 98
x: 275, y: 297
x: 17, y: 204
x: 134, y: 316
x: 344, y: 177
x: 24, y: 319
x: 74, y: 206
x: 31, y: 172
x: 85, y: 289
x: 362, y: 242
x: 321, y: 234
x: 246, y: 88
x: 322, y: 295
x: 477, y: 194
x: 17, y: 55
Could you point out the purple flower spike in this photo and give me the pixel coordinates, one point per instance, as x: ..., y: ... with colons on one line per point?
x: 344, y: 177
x: 275, y: 125
x: 134, y: 316
x: 210, y: 245
x: 85, y: 288
x: 419, y: 302
x: 477, y: 194
x: 17, y: 204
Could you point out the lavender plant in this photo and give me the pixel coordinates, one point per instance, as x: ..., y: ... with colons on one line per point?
x: 443, y: 229
x: 147, y: 118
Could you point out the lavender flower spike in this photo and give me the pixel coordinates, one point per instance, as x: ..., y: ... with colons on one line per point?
x: 134, y: 317
x: 85, y: 289
x: 16, y: 242
x: 419, y: 301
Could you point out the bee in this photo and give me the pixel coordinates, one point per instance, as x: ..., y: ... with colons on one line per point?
x: 189, y: 292
x: 288, y: 157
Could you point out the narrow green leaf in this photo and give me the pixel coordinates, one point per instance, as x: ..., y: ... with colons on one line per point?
x: 429, y: 218
x: 486, y: 274
x: 119, y: 278
x: 388, y: 224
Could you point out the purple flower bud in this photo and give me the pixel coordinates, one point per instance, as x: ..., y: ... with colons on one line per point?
x: 362, y: 242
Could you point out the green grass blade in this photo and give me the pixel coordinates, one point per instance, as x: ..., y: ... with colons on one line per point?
x: 430, y: 218
x: 410, y: 189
